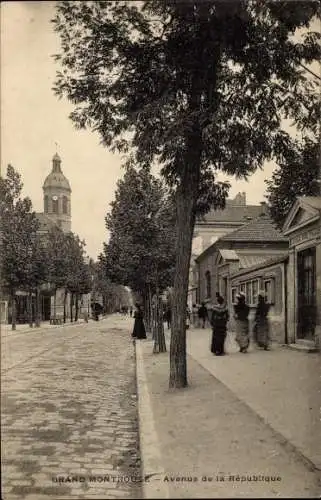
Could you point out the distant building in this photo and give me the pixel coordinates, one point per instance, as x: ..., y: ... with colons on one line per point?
x: 57, y: 196
x: 57, y: 213
x: 247, y: 246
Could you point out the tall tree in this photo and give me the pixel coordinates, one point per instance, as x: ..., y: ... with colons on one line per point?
x: 77, y: 280
x: 196, y: 86
x: 296, y: 175
x: 141, y: 249
x: 18, y: 232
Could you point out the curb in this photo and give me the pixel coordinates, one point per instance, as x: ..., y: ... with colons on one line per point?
x: 151, y: 458
x: 41, y: 329
x: 284, y: 441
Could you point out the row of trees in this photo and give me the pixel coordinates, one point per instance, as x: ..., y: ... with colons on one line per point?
x: 31, y: 258
x: 142, y: 244
x: 196, y: 87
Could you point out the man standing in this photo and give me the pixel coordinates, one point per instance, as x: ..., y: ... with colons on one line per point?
x: 202, y: 314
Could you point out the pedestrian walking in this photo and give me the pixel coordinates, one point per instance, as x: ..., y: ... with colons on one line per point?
x: 219, y: 319
x: 96, y: 310
x: 242, y: 323
x: 139, y: 331
x: 168, y: 317
x: 194, y: 314
x: 131, y: 312
x: 202, y: 314
x: 261, y: 329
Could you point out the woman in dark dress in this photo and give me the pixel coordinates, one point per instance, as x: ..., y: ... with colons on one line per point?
x: 242, y: 323
x: 139, y: 331
x: 220, y: 317
x: 261, y: 326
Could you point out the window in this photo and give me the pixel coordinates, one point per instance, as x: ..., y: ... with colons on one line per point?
x: 233, y: 295
x: 64, y: 205
x: 55, y: 205
x: 46, y: 204
x: 255, y: 291
x: 250, y: 290
x: 208, y: 284
x: 269, y: 291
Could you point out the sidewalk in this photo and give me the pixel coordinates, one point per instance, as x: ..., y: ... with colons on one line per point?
x: 283, y: 386
x: 217, y: 430
x: 6, y: 330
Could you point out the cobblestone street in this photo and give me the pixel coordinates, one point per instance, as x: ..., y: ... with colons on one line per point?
x: 69, y: 413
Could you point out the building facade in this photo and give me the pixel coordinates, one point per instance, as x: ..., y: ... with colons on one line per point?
x: 248, y: 246
x: 303, y: 228
x: 212, y: 227
x: 57, y: 196
x: 270, y: 277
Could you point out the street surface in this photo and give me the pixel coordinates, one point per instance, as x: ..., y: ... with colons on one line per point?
x: 69, y: 413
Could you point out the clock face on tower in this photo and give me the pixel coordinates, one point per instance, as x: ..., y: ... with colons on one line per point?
x: 55, y: 198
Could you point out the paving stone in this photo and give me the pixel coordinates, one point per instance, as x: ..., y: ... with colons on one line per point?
x: 68, y: 412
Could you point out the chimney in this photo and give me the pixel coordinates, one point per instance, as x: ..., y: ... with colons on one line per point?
x: 264, y: 209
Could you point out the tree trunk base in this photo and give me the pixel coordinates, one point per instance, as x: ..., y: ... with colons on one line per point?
x: 178, y: 374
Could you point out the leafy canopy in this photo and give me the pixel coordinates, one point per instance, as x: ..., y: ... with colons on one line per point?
x: 18, y: 233
x: 152, y: 76
x: 141, y: 248
x: 296, y: 176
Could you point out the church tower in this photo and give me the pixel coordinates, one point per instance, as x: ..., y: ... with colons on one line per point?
x: 57, y: 194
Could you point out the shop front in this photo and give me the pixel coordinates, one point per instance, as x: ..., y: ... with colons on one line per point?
x: 304, y: 272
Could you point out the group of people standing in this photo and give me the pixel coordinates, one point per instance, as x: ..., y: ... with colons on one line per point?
x: 219, y: 320
x: 220, y: 317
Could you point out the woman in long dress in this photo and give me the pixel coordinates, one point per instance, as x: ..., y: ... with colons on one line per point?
x: 220, y: 317
x: 261, y: 325
x: 242, y: 323
x: 139, y: 331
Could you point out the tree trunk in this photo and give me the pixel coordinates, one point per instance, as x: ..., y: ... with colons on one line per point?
x: 71, y: 308
x: 38, y: 308
x: 77, y: 307
x: 186, y: 196
x: 55, y: 303
x: 29, y: 305
x: 13, y: 311
x: 65, y: 304
x: 160, y: 343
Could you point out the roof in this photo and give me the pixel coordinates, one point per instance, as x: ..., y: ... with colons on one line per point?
x: 229, y: 254
x: 232, y: 213
x: 266, y: 263
x: 45, y: 223
x: 56, y: 180
x: 313, y: 201
x: 251, y: 260
x: 260, y: 229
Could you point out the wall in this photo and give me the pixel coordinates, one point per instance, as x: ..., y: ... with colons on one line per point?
x: 301, y: 239
x: 277, y: 312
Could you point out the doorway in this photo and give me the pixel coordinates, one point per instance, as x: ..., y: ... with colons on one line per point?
x: 306, y: 294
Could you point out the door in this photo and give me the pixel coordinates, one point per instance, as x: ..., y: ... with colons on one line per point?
x: 306, y: 294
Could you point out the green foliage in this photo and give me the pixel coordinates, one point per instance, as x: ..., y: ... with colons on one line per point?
x: 18, y: 233
x: 141, y: 249
x: 66, y: 263
x: 296, y: 176
x: 196, y: 87
x: 154, y: 77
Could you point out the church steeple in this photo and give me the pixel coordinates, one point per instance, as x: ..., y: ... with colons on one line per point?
x: 56, y: 162
x: 57, y: 196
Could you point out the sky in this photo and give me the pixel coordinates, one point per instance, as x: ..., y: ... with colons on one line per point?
x: 34, y: 120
